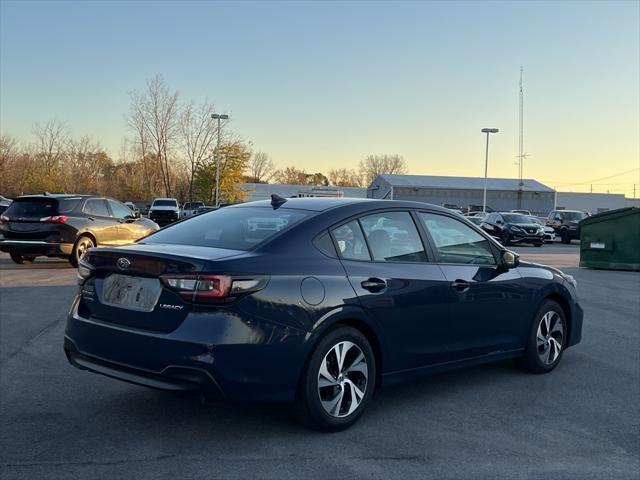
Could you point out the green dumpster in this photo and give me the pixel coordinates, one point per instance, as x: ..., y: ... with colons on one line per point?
x: 611, y: 240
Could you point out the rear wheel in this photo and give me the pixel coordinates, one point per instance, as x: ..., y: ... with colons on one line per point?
x: 546, y: 340
x: 83, y: 244
x: 338, y: 381
x: 20, y: 259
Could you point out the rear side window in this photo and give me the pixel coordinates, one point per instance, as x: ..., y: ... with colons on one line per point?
x: 96, y: 206
x: 350, y: 241
x: 393, y: 237
x: 232, y: 228
x: 457, y: 242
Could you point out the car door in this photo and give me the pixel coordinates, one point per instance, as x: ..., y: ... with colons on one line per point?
x: 386, y: 263
x: 101, y: 224
x: 488, y: 301
x: 128, y: 227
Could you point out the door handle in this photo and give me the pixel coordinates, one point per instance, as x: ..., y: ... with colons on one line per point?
x: 460, y: 285
x: 91, y: 218
x: 374, y: 284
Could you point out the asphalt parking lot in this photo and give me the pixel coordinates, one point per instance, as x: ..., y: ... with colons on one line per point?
x: 581, y: 421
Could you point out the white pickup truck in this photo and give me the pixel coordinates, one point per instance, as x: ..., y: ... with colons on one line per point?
x: 164, y: 211
x: 190, y: 208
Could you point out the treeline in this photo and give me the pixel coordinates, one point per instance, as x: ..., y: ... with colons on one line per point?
x: 170, y: 151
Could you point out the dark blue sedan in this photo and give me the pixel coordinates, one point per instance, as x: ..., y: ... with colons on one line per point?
x: 314, y: 301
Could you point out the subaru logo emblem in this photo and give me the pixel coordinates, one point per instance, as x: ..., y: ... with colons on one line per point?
x: 123, y: 263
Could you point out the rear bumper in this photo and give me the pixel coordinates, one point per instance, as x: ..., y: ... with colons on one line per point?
x: 36, y: 247
x: 217, y: 354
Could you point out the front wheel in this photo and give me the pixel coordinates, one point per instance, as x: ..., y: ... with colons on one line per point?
x: 338, y: 381
x: 566, y: 239
x: 547, y: 339
x: 539, y: 244
x: 83, y: 244
x: 506, y: 239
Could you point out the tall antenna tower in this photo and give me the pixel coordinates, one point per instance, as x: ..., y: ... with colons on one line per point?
x: 521, y: 154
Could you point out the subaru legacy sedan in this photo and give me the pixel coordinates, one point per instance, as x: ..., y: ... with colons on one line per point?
x: 317, y: 302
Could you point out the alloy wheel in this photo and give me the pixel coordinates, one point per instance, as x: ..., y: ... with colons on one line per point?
x: 83, y: 245
x: 342, y: 379
x: 549, y: 337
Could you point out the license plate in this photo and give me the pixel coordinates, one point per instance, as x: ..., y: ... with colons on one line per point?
x: 133, y: 293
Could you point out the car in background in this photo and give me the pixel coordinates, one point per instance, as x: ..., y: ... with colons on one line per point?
x: 523, y: 212
x: 67, y: 226
x: 566, y: 224
x: 340, y: 296
x: 143, y: 208
x: 4, y: 203
x: 509, y: 228
x: 476, y: 219
x: 133, y: 208
x: 205, y: 209
x: 190, y: 208
x: 164, y: 211
x: 549, y: 232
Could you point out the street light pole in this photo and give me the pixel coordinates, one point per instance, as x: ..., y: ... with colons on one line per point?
x: 486, y: 166
x: 218, y: 117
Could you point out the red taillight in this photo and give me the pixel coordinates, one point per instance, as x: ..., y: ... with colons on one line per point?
x: 54, y: 219
x: 199, y: 288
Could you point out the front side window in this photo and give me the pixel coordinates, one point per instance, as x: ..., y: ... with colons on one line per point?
x: 393, y: 237
x: 350, y: 241
x: 119, y: 210
x: 456, y: 242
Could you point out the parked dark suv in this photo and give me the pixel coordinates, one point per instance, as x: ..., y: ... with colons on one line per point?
x: 566, y: 223
x: 511, y: 228
x: 66, y: 226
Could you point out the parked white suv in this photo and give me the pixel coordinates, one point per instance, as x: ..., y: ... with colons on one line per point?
x: 164, y: 211
x: 190, y: 208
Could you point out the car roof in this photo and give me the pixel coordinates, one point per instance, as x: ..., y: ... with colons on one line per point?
x: 320, y: 204
x: 59, y: 195
x: 165, y: 198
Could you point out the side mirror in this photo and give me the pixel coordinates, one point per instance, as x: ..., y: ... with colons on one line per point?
x: 510, y: 259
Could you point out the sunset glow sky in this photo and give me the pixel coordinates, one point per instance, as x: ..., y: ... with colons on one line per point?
x: 322, y: 85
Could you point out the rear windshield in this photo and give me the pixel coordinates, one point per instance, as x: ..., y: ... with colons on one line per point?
x: 516, y: 218
x: 41, y: 207
x: 165, y: 203
x: 232, y: 228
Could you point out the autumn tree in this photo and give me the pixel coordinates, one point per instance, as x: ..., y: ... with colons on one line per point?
x: 260, y: 168
x: 234, y: 158
x: 290, y: 176
x: 343, y: 177
x: 375, y: 165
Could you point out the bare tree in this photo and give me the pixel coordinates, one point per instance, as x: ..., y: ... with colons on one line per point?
x: 375, y: 165
x: 51, y: 142
x: 154, y: 116
x: 261, y: 168
x: 198, y: 133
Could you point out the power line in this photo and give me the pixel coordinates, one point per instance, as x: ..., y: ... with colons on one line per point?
x: 588, y: 182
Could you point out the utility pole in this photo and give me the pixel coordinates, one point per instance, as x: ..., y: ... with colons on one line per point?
x: 218, y: 117
x: 521, y: 154
x: 486, y: 166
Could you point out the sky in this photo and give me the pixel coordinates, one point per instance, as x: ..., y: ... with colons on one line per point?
x: 321, y: 85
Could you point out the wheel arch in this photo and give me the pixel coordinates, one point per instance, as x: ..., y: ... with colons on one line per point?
x: 86, y: 233
x: 566, y: 309
x: 351, y: 318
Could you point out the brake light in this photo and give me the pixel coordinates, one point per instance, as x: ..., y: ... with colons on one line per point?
x: 54, y: 219
x: 211, y: 288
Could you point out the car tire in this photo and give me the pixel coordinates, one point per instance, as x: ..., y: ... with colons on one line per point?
x: 329, y: 388
x: 80, y: 248
x: 566, y: 239
x: 19, y: 259
x: 539, y: 244
x: 505, y: 239
x: 546, y: 340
